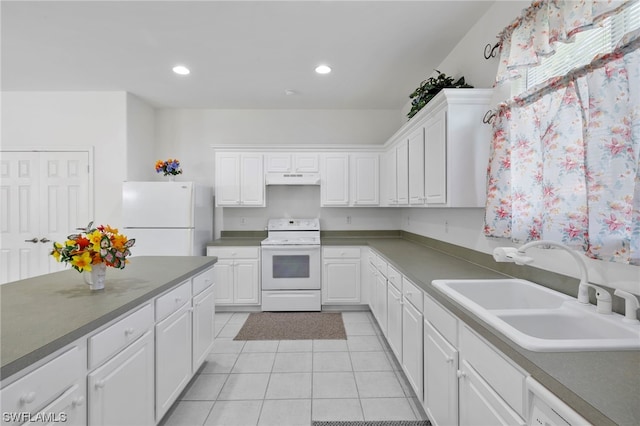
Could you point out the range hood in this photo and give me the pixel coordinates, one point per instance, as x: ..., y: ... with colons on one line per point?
x: 273, y: 178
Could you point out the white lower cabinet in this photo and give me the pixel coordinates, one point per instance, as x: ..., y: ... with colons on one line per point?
x: 173, y: 358
x: 121, y: 392
x: 440, y: 378
x: 341, y: 275
x: 380, y: 311
x: 69, y: 408
x: 412, y: 346
x: 237, y: 275
x: 394, y: 320
x: 204, y: 310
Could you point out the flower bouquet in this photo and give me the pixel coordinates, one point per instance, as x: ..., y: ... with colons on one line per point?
x: 94, y: 246
x: 171, y: 167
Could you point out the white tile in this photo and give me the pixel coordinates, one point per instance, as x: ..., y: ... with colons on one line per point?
x: 292, y: 362
x: 230, y: 330
x: 330, y: 346
x: 334, y: 385
x: 234, y: 413
x: 227, y: 346
x: 387, y: 409
x: 188, y: 413
x: 219, y: 363
x: 254, y: 363
x: 378, y: 384
x: 260, y: 346
x: 283, y: 412
x: 356, y: 317
x: 364, y: 343
x: 289, y: 386
x: 205, y: 387
x: 331, y: 361
x: 244, y: 387
x: 295, y: 346
x: 337, y: 410
x: 238, y: 318
x: 359, y: 329
x: 370, y: 361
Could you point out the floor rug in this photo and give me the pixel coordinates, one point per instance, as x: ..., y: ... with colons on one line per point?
x: 375, y: 423
x: 292, y: 326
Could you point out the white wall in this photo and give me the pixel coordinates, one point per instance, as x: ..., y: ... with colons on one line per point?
x: 140, y: 140
x: 464, y: 226
x: 75, y: 119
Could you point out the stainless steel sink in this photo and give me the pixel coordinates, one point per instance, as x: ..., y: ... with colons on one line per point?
x: 540, y: 319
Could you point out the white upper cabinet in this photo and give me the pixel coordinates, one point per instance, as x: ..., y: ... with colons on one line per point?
x: 297, y: 162
x: 239, y: 180
x: 416, y: 167
x: 389, y: 194
x: 455, y: 151
x: 350, y: 179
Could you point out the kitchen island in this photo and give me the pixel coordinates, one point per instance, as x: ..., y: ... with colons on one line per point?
x: 128, y: 350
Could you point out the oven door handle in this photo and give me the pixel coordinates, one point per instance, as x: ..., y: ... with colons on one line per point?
x: 291, y: 247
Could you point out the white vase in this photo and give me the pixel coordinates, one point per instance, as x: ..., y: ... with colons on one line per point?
x: 95, y: 278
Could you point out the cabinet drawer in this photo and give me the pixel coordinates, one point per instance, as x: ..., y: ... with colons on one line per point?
x: 70, y: 404
x: 109, y: 341
x: 394, y: 277
x: 413, y: 294
x: 441, y: 319
x: 45, y: 383
x: 202, y: 281
x: 499, y: 373
x: 381, y: 264
x: 341, y: 252
x: 172, y: 301
x: 234, y: 252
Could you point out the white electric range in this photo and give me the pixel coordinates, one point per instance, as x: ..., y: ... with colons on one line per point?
x: 291, y: 265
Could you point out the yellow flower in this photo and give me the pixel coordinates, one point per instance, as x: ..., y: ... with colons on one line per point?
x: 56, y: 251
x: 118, y: 241
x: 111, y: 230
x: 95, y: 238
x: 82, y: 261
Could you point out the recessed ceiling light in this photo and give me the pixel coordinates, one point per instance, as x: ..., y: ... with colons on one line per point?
x: 323, y: 69
x: 181, y: 69
x: 290, y: 92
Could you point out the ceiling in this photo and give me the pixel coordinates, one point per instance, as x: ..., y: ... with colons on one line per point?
x: 242, y: 54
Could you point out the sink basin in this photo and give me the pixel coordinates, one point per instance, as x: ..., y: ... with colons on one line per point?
x: 539, y: 319
x: 504, y: 294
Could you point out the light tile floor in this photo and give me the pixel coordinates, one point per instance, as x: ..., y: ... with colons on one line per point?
x: 292, y: 382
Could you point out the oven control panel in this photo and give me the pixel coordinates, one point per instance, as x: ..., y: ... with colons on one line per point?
x: 289, y: 224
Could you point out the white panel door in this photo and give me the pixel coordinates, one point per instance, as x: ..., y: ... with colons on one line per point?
x: 402, y: 171
x: 334, y: 188
x: 394, y: 321
x: 440, y: 378
x: 412, y: 347
x: 416, y: 167
x: 365, y: 179
x: 435, y: 159
x: 227, y: 179
x: 252, y: 180
x: 246, y: 282
x: 44, y: 197
x: 203, y: 326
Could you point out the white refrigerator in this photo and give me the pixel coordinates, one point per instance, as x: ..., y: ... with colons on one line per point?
x: 167, y: 218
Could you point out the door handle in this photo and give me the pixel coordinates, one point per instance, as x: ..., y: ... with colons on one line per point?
x: 44, y: 240
x: 33, y: 240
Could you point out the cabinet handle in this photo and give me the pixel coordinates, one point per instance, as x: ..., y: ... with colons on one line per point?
x: 461, y: 374
x: 178, y: 300
x: 28, y: 398
x: 100, y: 384
x: 449, y: 360
x: 129, y: 331
x: 33, y: 240
x: 77, y: 402
x: 44, y: 240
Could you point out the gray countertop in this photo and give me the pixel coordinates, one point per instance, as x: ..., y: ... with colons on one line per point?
x: 43, y: 314
x: 603, y: 386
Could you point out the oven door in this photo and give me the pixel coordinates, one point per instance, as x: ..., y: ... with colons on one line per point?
x: 291, y: 267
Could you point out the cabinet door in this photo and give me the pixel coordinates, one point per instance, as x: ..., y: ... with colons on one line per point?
x: 479, y: 404
x: 304, y: 162
x: 68, y: 409
x: 278, y: 162
x: 394, y: 320
x: 440, y: 378
x: 173, y: 358
x: 223, y: 275
x: 334, y: 188
x: 203, y: 326
x: 416, y: 167
x: 227, y: 179
x: 435, y: 159
x: 381, y: 302
x: 246, y: 282
x: 391, y: 177
x: 121, y: 391
x: 365, y: 177
x: 341, y: 281
x: 252, y: 180
x: 402, y: 159
x: 412, y: 360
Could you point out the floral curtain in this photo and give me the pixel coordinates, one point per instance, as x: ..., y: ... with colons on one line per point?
x: 565, y: 160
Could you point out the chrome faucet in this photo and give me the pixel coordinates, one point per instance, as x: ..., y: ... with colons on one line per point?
x: 511, y: 254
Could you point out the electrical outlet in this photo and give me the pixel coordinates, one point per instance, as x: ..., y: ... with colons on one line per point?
x: 243, y: 221
x: 446, y: 227
x: 348, y: 220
